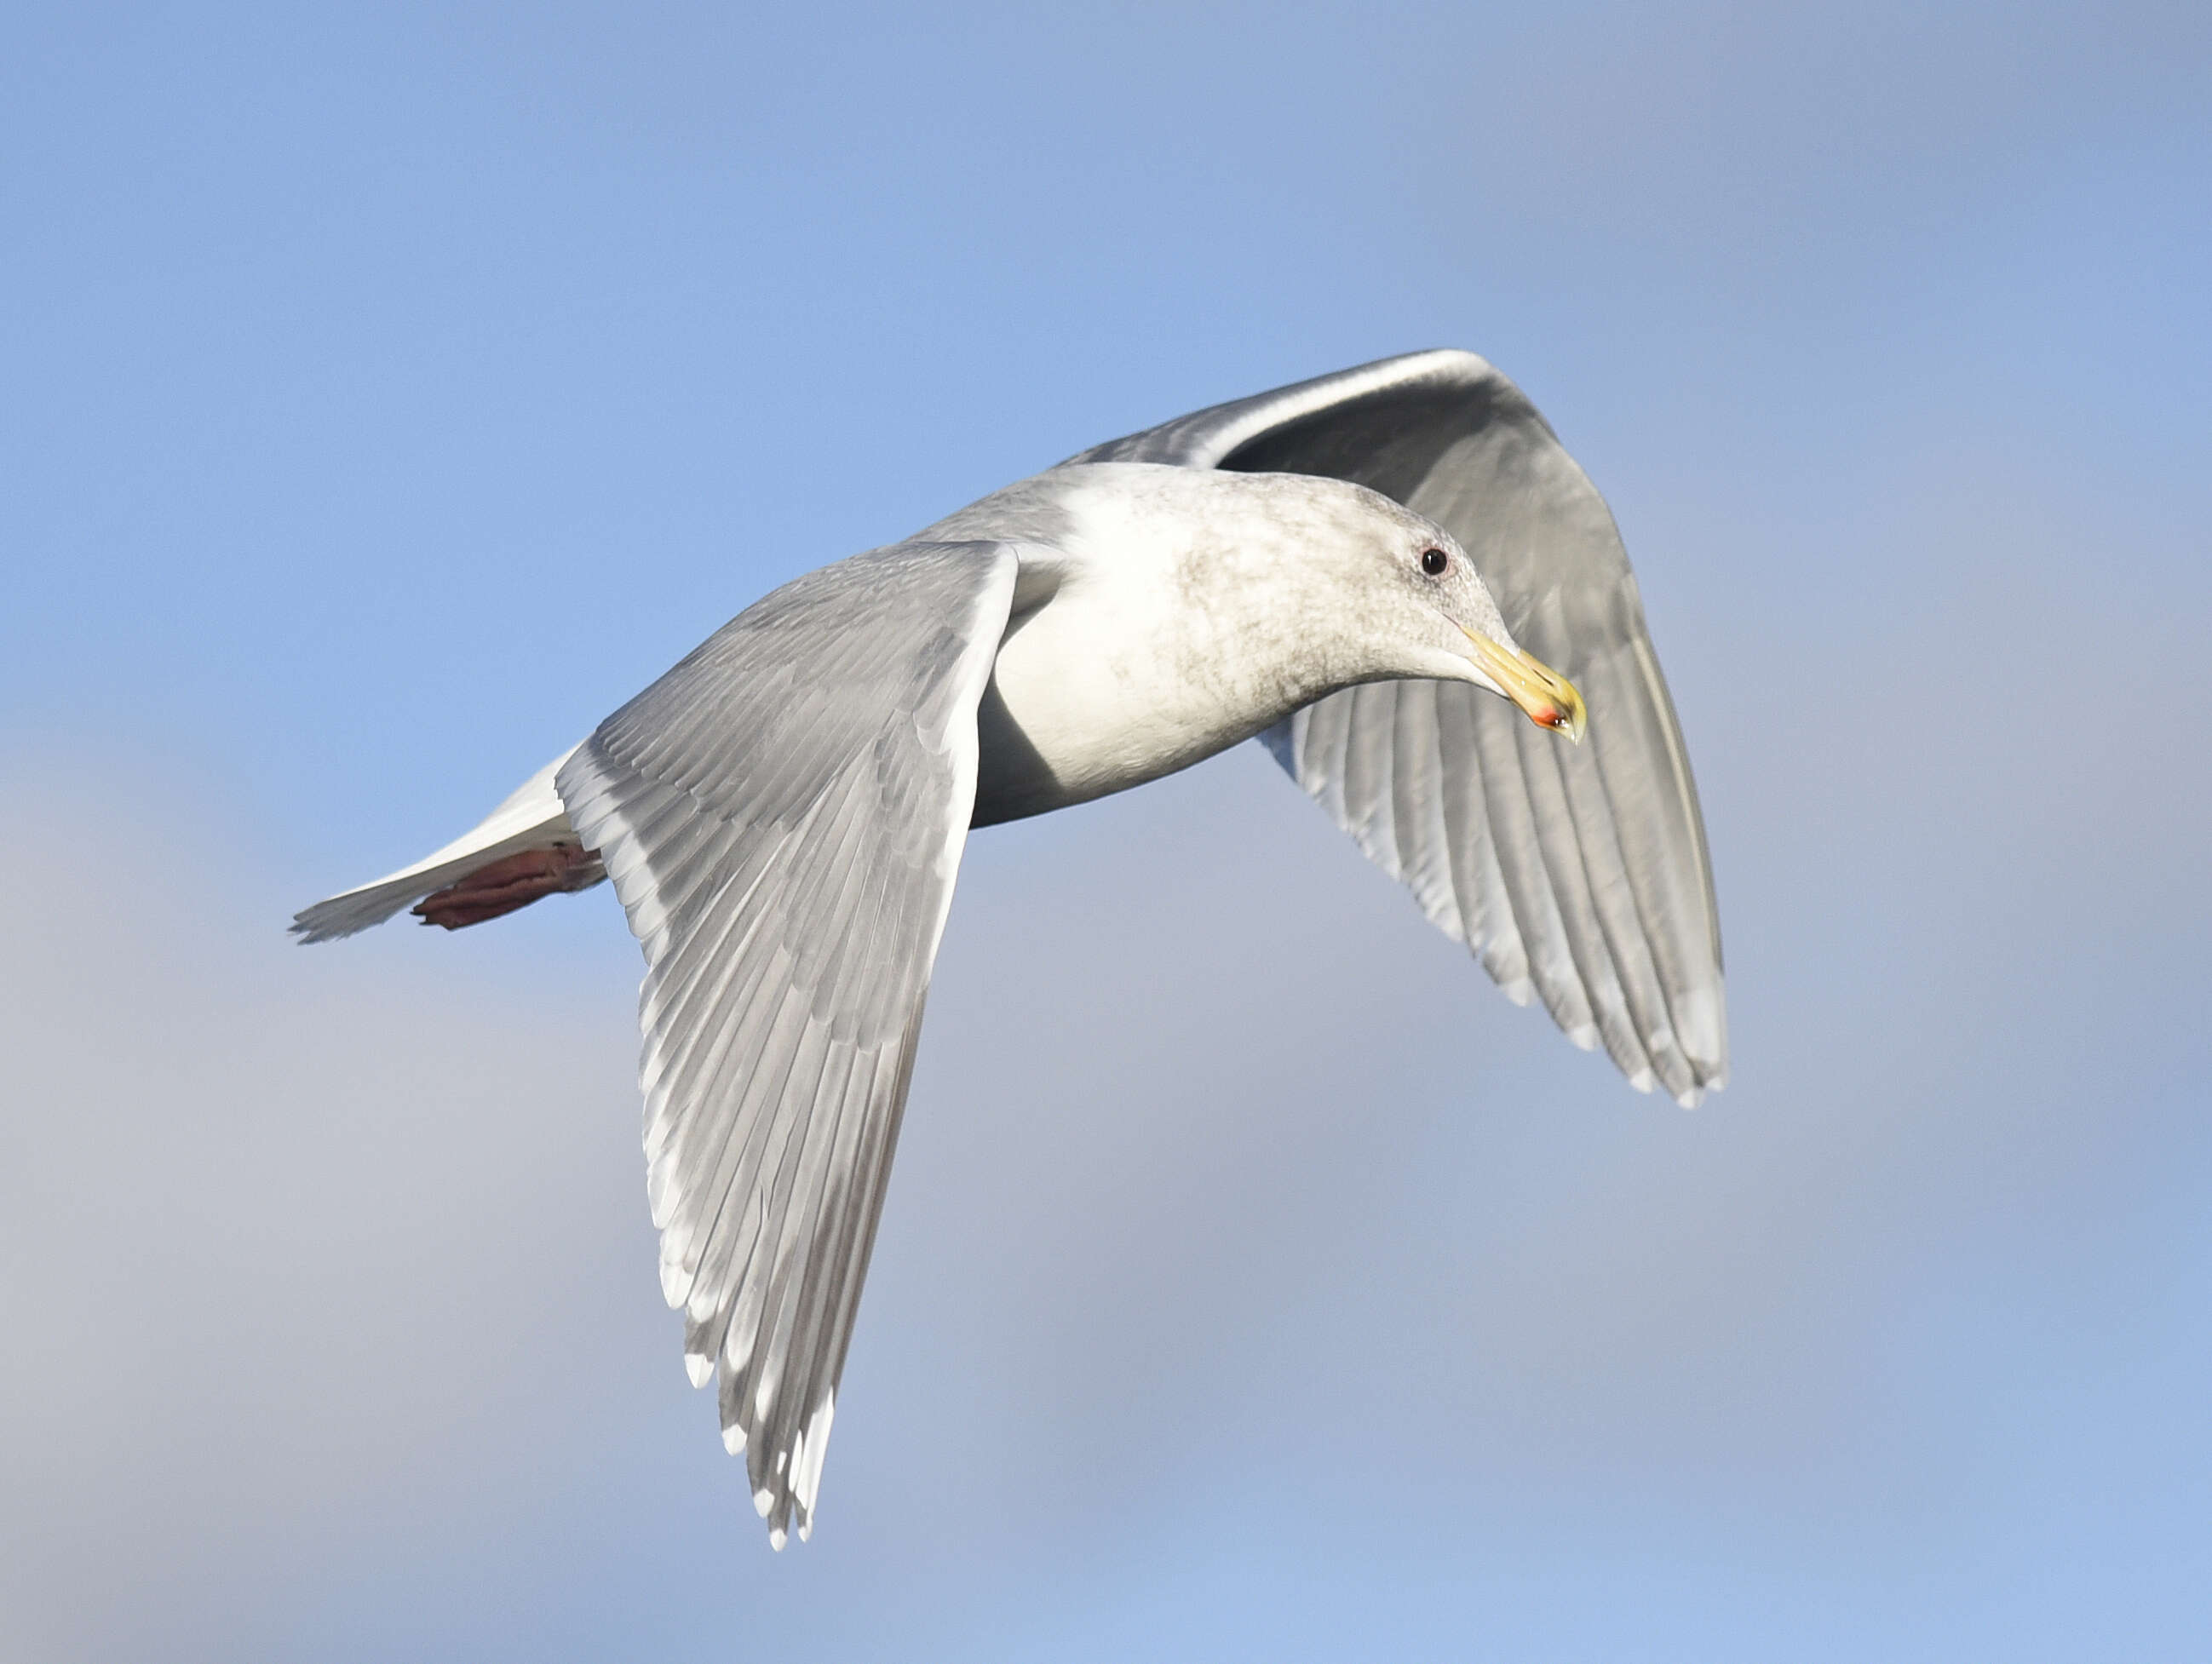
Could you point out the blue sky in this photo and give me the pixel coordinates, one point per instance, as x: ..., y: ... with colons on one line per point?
x: 395, y: 392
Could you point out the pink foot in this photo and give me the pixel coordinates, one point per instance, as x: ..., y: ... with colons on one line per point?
x: 512, y: 882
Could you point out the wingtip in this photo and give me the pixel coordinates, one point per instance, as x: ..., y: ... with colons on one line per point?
x: 1714, y: 1081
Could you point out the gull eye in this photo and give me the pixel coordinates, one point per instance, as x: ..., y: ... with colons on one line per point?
x: 1434, y: 561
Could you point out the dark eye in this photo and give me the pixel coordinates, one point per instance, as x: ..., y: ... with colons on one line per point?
x: 1434, y: 561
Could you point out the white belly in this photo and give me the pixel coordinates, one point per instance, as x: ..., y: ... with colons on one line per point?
x: 1066, y: 721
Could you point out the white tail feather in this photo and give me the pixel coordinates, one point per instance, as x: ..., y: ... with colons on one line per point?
x: 530, y: 818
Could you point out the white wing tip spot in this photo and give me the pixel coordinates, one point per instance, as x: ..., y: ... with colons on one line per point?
x: 1690, y: 1097
x: 1584, y: 1036
x: 1643, y: 1080
x: 675, y: 1280
x: 1698, y: 1021
x: 776, y: 1537
x: 806, y: 1457
x: 1520, y: 991
x: 763, y: 1500
x: 699, y: 1367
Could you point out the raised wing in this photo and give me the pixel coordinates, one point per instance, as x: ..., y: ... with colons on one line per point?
x: 782, y: 815
x: 1576, y: 873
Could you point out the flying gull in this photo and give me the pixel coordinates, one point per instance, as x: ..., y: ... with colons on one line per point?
x: 1368, y: 571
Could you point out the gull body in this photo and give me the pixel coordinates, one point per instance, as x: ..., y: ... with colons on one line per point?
x: 1177, y: 612
x: 1360, y: 571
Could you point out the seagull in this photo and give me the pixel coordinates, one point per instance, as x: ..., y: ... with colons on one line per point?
x: 1360, y: 571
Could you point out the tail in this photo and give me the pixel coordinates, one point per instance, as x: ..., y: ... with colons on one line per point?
x: 524, y: 849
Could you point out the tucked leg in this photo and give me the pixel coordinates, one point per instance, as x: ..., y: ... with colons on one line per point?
x: 512, y: 882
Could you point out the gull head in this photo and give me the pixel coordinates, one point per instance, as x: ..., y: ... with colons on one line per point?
x: 1414, y: 606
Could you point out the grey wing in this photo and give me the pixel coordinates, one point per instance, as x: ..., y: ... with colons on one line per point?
x: 1579, y: 874
x: 782, y: 816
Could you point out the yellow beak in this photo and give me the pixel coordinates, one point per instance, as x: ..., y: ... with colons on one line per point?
x: 1548, y: 697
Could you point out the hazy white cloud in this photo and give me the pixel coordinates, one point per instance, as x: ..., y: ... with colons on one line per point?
x: 278, y: 1235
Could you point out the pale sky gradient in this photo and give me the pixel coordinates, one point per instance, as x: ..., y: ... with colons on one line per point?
x: 396, y: 393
